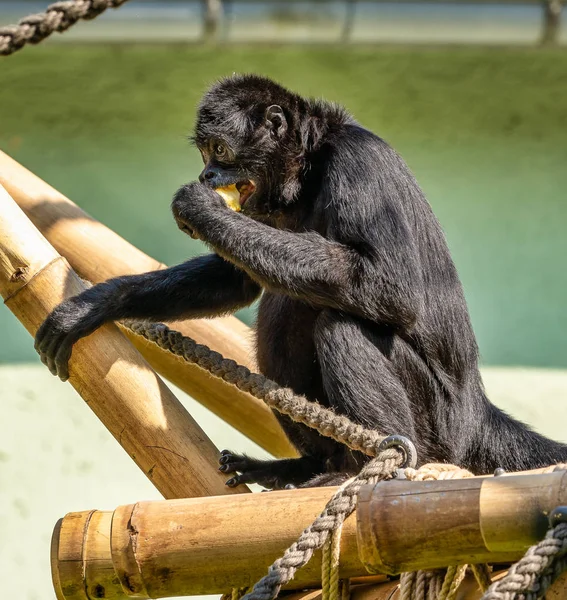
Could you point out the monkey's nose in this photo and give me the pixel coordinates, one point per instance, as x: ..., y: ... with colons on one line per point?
x: 207, y: 175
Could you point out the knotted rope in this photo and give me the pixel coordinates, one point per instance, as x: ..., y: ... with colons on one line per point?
x: 312, y: 414
x: 57, y: 17
x: 339, y: 507
x: 438, y: 585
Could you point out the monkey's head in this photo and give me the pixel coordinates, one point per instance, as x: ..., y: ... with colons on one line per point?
x: 247, y: 132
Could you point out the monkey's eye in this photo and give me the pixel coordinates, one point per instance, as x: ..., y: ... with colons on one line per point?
x: 220, y: 150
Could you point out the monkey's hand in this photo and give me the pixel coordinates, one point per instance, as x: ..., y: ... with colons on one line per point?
x: 194, y: 207
x: 69, y: 322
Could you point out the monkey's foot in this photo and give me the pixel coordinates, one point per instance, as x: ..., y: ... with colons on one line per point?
x: 251, y: 470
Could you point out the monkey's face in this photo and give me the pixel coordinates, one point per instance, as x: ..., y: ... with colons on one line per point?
x: 225, y: 174
x: 246, y: 141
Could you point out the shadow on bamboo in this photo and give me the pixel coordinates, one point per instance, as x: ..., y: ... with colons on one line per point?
x: 97, y: 253
x: 115, y: 381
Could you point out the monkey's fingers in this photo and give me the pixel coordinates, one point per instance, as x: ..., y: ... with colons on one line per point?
x: 56, y: 356
x: 62, y: 358
x: 54, y: 347
x: 48, y: 355
x: 250, y: 477
x: 46, y: 342
x: 41, y: 337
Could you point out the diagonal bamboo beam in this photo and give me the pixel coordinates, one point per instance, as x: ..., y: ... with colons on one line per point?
x: 114, y: 380
x: 97, y: 253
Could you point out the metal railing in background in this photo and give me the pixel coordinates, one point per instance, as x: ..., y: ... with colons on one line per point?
x: 535, y: 22
x: 354, y: 13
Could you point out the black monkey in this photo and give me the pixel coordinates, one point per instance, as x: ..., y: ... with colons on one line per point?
x: 362, y: 308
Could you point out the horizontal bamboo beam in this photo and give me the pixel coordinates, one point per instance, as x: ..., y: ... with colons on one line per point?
x: 208, y: 545
x: 97, y: 253
x: 114, y: 380
x: 407, y: 526
x: 195, y: 546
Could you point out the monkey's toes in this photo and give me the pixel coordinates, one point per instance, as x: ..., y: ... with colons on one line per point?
x: 232, y: 463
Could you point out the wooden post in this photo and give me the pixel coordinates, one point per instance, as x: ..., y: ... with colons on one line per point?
x: 97, y: 253
x: 407, y: 525
x: 207, y: 545
x: 551, y: 22
x: 350, y: 12
x: 212, y: 19
x: 116, y: 382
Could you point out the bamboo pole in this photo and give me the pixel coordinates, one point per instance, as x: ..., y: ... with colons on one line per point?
x: 208, y: 545
x: 195, y: 546
x: 97, y: 253
x: 407, y: 525
x: 116, y: 382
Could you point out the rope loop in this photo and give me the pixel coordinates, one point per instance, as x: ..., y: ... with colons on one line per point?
x: 405, y: 445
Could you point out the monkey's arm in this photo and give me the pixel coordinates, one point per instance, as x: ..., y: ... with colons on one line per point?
x: 205, y: 286
x: 379, y: 285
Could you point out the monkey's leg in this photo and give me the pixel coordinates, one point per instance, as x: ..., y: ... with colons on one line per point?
x: 273, y: 474
x: 358, y: 376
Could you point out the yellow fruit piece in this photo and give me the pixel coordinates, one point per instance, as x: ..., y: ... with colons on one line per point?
x: 231, y: 196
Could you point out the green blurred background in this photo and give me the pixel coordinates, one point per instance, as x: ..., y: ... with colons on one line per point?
x: 483, y: 128
x: 484, y: 131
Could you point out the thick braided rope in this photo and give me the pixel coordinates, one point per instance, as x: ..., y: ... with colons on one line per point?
x: 481, y: 573
x: 408, y: 586
x: 435, y: 583
x: 422, y: 584
x: 330, y: 582
x: 532, y: 575
x: 453, y: 579
x: 284, y: 400
x: 57, y: 17
x: 435, y: 472
x: 339, y: 507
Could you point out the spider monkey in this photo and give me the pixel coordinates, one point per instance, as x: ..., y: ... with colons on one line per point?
x: 361, y: 306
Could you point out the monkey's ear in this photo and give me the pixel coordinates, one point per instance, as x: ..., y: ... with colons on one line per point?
x: 275, y: 120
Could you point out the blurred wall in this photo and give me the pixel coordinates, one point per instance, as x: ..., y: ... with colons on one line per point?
x: 484, y: 130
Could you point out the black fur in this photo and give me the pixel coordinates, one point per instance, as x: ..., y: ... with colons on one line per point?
x: 362, y: 308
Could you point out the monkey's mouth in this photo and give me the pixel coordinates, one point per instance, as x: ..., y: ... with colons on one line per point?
x: 245, y: 189
x: 236, y: 194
